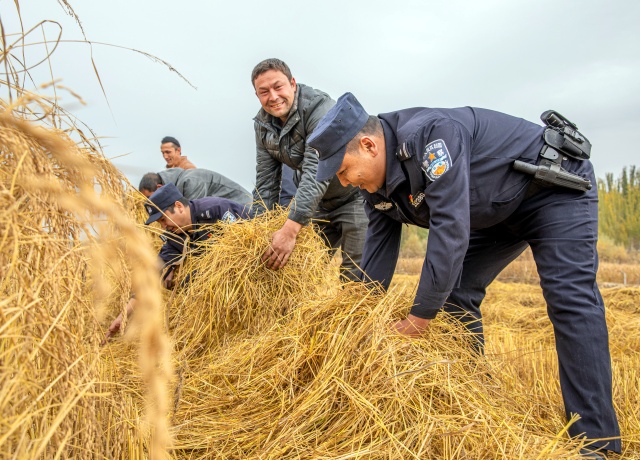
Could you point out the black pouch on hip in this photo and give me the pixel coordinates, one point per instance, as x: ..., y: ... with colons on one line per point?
x: 564, y: 136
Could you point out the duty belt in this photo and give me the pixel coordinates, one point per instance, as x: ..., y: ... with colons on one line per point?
x: 561, y: 138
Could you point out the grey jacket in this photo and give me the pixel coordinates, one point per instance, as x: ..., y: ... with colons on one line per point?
x: 198, y: 183
x: 277, y: 145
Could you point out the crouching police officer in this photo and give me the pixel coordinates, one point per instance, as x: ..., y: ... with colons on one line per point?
x: 452, y: 171
x: 181, y: 219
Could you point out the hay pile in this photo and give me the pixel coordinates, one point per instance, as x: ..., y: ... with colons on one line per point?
x: 289, y: 364
x: 68, y: 248
x: 520, y: 343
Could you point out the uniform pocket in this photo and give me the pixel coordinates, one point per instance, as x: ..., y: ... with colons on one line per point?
x: 490, y: 211
x: 507, y: 197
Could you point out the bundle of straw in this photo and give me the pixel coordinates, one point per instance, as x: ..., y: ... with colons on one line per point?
x: 293, y: 364
x: 68, y: 245
x: 231, y: 290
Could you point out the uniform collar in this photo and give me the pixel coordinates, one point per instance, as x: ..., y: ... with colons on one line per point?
x: 193, y: 210
x: 394, y: 175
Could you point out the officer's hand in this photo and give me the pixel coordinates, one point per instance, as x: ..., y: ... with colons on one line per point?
x: 411, y: 326
x: 168, y: 281
x: 113, y: 330
x: 282, y: 243
x: 116, y: 324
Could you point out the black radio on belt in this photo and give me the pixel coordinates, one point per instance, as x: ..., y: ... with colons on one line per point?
x: 563, y: 135
x: 561, y: 138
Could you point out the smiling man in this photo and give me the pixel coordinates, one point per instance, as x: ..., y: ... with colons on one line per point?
x: 459, y: 172
x: 290, y: 112
x: 172, y: 154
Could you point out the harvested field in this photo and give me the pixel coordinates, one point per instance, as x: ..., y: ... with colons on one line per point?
x: 523, y: 270
x: 282, y: 365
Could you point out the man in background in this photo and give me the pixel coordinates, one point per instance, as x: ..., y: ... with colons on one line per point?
x: 172, y: 154
x: 195, y: 183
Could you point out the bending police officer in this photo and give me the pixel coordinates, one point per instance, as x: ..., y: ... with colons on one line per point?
x: 181, y: 220
x: 451, y: 170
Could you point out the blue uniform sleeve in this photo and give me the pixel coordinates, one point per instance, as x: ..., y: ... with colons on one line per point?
x: 288, y: 187
x: 381, y: 247
x: 445, y: 146
x: 171, y: 250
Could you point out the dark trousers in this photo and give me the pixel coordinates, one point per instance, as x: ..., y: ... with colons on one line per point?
x: 345, y: 227
x: 561, y: 226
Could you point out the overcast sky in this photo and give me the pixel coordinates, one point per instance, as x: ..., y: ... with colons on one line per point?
x: 581, y: 58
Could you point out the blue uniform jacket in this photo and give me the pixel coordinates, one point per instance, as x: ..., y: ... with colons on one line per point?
x: 464, y: 157
x: 207, y: 210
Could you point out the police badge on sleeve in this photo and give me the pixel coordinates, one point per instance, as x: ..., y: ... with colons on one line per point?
x: 436, y: 160
x: 229, y: 217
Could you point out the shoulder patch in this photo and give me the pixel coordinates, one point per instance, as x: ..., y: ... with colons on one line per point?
x: 436, y: 160
x: 229, y: 217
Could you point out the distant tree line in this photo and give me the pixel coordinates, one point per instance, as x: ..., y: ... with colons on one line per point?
x: 620, y: 207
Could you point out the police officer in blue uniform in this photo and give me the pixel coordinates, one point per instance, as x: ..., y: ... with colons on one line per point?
x: 452, y: 171
x: 185, y: 224
x: 183, y: 219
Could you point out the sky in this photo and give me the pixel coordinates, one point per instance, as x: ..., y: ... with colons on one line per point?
x: 580, y: 57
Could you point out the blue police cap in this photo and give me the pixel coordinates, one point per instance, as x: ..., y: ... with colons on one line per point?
x: 334, y: 131
x: 160, y: 200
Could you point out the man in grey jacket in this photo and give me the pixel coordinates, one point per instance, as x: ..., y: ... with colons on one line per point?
x: 194, y: 184
x: 289, y: 114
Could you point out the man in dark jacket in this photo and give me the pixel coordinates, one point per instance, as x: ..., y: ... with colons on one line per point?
x: 195, y: 183
x: 452, y: 171
x: 182, y: 221
x: 289, y: 114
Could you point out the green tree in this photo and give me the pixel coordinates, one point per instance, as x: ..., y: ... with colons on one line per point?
x: 413, y: 242
x: 619, y: 213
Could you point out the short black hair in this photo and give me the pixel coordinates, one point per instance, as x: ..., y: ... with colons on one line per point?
x: 171, y: 139
x: 371, y: 127
x: 150, y: 182
x: 270, y: 64
x: 172, y: 208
